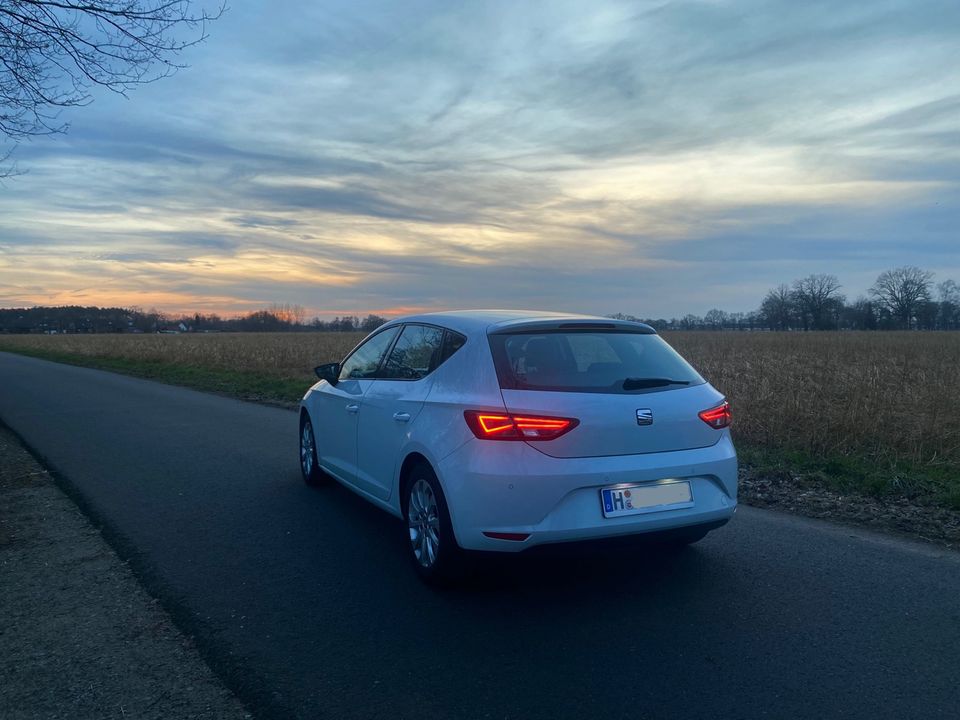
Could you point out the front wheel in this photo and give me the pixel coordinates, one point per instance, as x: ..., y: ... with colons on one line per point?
x: 436, y: 556
x: 309, y: 467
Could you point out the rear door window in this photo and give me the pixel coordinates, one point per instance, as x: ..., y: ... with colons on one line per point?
x: 602, y: 362
x: 415, y: 354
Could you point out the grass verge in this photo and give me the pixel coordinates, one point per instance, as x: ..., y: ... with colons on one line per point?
x: 246, y: 385
x: 935, y: 485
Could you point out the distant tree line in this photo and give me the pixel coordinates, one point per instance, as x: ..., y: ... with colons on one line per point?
x: 77, y: 319
x: 901, y: 299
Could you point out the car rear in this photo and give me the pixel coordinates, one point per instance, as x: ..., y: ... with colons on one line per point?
x: 601, y: 429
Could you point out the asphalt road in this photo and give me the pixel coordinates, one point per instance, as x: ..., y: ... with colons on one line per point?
x: 302, y: 600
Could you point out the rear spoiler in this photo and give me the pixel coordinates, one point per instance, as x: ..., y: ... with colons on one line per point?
x: 516, y: 327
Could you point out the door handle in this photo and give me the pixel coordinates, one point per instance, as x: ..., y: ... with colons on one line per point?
x: 353, y: 409
x: 401, y: 416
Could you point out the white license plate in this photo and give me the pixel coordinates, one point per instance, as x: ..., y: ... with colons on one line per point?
x: 619, y: 500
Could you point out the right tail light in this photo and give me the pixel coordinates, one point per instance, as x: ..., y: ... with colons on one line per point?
x: 718, y: 417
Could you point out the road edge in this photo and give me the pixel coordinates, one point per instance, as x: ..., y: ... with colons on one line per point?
x: 253, y: 692
x: 83, y: 638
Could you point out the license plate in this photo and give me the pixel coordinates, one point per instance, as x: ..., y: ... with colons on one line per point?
x: 620, y: 500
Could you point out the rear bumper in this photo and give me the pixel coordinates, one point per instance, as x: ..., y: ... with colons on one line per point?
x: 511, y: 487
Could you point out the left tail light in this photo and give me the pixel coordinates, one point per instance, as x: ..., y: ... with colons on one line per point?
x: 507, y: 426
x: 718, y: 417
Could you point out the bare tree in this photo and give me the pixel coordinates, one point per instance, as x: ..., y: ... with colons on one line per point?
x: 371, y: 323
x: 716, y: 318
x: 817, y: 298
x: 288, y: 313
x: 777, y: 308
x: 861, y: 315
x: 691, y: 322
x: 53, y: 52
x: 949, y: 304
x: 902, y: 292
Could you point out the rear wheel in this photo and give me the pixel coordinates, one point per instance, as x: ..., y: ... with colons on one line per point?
x: 433, y: 548
x: 309, y: 468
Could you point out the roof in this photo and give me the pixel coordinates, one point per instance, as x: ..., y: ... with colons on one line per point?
x: 474, y: 321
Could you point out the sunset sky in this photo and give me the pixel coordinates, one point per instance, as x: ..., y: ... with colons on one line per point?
x: 651, y: 158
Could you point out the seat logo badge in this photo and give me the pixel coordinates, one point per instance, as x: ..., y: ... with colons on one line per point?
x: 644, y: 416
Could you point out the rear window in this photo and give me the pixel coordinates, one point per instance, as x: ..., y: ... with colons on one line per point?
x: 601, y: 362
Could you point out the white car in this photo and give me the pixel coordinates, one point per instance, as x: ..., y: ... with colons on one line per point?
x: 502, y: 430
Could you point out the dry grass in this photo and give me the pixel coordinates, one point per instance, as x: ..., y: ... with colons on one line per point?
x: 886, y: 400
x: 893, y: 396
x: 286, y: 355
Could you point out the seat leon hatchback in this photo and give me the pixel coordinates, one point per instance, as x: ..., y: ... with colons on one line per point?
x: 503, y: 430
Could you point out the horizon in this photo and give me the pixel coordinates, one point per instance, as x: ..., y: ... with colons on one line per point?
x: 656, y: 160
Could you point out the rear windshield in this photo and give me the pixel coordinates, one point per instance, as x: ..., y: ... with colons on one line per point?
x: 600, y: 362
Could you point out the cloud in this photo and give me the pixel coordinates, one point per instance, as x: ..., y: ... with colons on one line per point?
x: 646, y: 157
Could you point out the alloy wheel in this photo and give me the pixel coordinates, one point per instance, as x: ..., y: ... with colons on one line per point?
x: 423, y: 520
x: 306, y: 449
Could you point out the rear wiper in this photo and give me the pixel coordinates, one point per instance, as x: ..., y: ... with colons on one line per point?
x: 641, y: 383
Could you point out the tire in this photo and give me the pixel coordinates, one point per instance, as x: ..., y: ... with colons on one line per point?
x: 309, y: 467
x: 431, y: 544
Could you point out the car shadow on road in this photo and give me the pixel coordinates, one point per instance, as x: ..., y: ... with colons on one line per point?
x: 604, y: 565
x: 637, y: 564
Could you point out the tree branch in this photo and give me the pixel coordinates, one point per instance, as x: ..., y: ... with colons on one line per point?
x: 53, y: 52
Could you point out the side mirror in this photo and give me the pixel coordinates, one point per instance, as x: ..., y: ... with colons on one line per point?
x: 329, y: 372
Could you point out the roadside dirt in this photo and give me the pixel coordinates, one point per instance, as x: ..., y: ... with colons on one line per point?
x: 790, y: 493
x: 80, y: 638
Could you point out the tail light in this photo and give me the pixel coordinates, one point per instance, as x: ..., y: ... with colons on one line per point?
x: 506, y: 426
x: 718, y: 417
